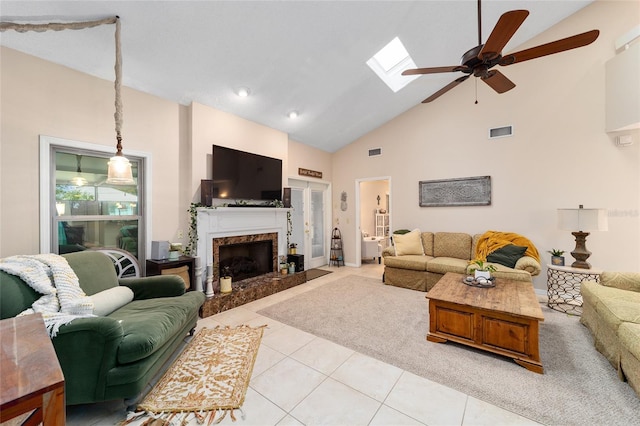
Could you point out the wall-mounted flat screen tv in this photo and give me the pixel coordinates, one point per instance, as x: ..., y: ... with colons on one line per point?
x: 240, y: 175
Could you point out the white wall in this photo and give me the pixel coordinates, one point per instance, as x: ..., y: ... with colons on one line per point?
x: 559, y: 156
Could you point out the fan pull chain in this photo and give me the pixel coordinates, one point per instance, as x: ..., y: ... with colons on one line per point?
x: 476, y: 81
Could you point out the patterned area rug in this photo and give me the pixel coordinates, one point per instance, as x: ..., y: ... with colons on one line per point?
x: 208, y: 380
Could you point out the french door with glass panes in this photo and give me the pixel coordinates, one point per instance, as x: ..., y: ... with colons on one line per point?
x: 310, y: 221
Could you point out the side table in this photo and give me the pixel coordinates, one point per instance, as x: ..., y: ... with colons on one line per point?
x: 161, y: 267
x: 32, y: 380
x: 563, y: 287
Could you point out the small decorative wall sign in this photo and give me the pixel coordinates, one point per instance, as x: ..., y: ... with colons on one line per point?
x: 310, y: 173
x: 471, y: 191
x: 343, y: 201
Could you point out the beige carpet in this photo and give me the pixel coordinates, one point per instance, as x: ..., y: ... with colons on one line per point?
x: 579, y: 386
x: 208, y: 380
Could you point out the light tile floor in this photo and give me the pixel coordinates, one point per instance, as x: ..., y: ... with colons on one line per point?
x: 301, y: 379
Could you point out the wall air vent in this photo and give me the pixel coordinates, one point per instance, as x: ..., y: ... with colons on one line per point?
x: 500, y: 132
x: 374, y: 152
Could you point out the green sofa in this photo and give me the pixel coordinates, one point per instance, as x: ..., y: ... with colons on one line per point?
x: 113, y: 356
x: 611, y: 311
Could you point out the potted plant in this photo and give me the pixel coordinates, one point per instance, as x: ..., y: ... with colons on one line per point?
x: 284, y: 268
x: 557, y: 257
x: 481, y: 269
x: 225, y: 280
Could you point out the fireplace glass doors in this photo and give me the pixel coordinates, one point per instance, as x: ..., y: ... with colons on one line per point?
x: 246, y: 260
x: 245, y: 256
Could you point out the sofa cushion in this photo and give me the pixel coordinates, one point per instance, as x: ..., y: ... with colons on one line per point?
x: 452, y: 244
x: 427, y: 243
x: 111, y: 299
x: 94, y: 269
x: 507, y: 255
x: 622, y: 280
x: 410, y: 261
x: 148, y: 324
x: 629, y: 335
x: 409, y: 243
x: 442, y: 265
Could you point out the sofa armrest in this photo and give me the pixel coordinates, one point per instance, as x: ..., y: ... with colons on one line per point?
x: 86, y: 349
x: 529, y: 264
x: 155, y: 286
x: 622, y: 280
x: 389, y: 251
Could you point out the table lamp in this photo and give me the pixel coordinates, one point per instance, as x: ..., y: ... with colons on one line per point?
x: 583, y: 220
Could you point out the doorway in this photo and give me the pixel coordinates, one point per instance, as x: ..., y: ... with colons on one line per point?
x: 373, y: 218
x: 310, y: 221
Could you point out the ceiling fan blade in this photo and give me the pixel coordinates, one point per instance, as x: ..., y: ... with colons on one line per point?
x: 505, y: 28
x: 434, y: 70
x: 498, y: 82
x: 446, y: 88
x: 573, y: 42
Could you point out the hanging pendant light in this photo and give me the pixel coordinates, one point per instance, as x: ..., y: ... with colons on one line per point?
x: 119, y: 168
x: 79, y: 180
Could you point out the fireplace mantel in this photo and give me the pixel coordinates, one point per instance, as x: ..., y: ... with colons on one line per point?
x: 234, y: 221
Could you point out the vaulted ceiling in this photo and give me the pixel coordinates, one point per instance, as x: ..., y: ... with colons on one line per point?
x: 307, y: 56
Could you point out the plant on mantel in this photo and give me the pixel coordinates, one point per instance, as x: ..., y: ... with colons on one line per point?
x: 192, y: 247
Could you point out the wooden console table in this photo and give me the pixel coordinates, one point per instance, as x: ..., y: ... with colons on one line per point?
x: 503, y: 319
x: 32, y: 381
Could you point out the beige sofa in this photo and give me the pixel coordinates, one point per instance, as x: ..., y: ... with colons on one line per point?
x: 611, y: 311
x: 445, y: 252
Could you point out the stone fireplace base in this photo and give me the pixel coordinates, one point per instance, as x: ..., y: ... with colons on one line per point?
x: 251, y: 289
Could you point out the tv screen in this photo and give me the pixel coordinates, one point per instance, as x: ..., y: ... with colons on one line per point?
x: 240, y: 175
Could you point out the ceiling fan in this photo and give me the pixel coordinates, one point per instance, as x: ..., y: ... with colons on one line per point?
x: 479, y: 60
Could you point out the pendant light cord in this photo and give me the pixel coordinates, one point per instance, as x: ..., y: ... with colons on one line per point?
x: 118, y: 85
x: 59, y: 26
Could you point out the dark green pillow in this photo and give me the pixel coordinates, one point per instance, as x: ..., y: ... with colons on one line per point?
x: 507, y: 255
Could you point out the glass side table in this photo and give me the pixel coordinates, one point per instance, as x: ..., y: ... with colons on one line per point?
x: 563, y: 287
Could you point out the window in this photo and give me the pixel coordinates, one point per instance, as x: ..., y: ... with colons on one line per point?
x: 83, y: 211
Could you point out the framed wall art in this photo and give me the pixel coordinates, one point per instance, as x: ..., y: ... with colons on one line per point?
x: 469, y: 191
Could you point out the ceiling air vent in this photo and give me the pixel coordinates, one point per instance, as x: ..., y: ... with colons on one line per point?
x: 500, y: 132
x: 374, y: 152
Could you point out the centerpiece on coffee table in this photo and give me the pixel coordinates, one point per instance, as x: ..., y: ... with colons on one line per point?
x: 481, y: 274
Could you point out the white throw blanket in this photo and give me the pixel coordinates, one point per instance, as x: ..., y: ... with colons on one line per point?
x: 62, y: 298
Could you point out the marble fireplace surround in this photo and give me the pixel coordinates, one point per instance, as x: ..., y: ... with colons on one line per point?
x: 238, y: 224
x: 241, y: 239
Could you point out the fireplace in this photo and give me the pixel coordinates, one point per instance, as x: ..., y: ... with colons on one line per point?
x: 225, y: 226
x: 246, y: 256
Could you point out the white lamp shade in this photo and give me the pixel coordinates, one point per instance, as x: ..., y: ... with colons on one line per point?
x: 583, y: 219
x: 119, y: 172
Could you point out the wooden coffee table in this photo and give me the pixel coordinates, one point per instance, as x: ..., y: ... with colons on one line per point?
x: 502, y: 319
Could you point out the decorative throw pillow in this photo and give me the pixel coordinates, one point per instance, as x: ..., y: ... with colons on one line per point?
x: 409, y: 243
x: 110, y: 300
x: 398, y: 232
x: 507, y: 255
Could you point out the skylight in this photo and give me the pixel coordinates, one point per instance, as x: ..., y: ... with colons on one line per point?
x: 389, y: 63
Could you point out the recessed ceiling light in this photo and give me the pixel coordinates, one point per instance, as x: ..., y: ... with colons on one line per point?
x: 389, y: 63
x: 243, y: 92
x: 293, y: 114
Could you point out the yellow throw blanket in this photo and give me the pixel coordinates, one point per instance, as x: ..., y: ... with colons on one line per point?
x: 491, y: 241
